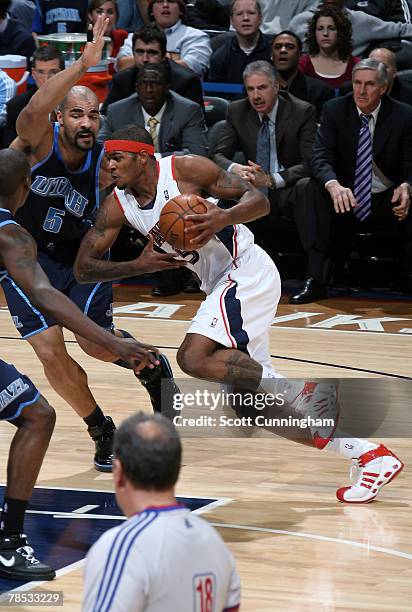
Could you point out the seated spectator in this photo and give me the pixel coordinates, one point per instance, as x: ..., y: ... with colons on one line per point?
x: 286, y: 52
x: 185, y: 45
x: 277, y: 14
x: 175, y: 123
x: 398, y: 88
x: 132, y: 14
x: 46, y: 62
x: 229, y: 60
x: 149, y: 47
x: 53, y: 16
x: 209, y: 14
x: 388, y: 10
x: 7, y: 91
x: 109, y: 9
x: 14, y: 38
x: 366, y: 29
x: 22, y: 11
x: 329, y: 41
x: 275, y: 132
x: 362, y: 163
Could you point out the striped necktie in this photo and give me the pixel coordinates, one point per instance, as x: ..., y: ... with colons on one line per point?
x: 363, y: 172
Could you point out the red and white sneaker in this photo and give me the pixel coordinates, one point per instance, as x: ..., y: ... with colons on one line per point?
x: 373, y: 470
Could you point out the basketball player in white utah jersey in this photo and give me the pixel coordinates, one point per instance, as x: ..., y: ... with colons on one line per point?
x: 228, y: 340
x: 163, y: 558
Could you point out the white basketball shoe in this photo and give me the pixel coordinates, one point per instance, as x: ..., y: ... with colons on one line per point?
x: 372, y: 471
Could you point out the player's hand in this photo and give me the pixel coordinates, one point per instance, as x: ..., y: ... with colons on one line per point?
x: 137, y: 354
x: 342, y: 197
x: 207, y: 224
x: 401, y: 197
x: 153, y: 261
x: 92, y: 53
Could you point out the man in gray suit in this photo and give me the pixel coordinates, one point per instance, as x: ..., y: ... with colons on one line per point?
x: 288, y: 126
x: 175, y: 123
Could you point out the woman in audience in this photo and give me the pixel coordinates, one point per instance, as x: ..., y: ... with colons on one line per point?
x: 329, y: 42
x: 109, y: 9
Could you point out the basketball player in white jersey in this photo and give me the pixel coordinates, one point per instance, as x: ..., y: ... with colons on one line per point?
x: 163, y: 557
x: 228, y: 340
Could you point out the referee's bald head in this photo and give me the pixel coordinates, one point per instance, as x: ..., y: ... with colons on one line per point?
x: 149, y: 450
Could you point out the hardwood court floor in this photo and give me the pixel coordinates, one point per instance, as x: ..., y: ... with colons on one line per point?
x: 296, y: 547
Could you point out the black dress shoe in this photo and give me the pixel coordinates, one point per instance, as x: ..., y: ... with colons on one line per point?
x: 312, y: 291
x: 191, y: 286
x: 165, y: 291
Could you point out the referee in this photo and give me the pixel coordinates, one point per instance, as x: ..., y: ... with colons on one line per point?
x: 163, y: 558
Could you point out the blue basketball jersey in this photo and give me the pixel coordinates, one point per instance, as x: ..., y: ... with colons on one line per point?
x: 62, y: 203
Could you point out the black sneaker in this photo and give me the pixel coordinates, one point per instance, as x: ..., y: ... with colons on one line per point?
x: 17, y: 561
x: 103, y: 440
x: 161, y: 395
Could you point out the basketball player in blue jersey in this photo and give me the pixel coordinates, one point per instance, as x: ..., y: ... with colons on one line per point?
x: 65, y: 161
x: 20, y: 402
x: 228, y: 340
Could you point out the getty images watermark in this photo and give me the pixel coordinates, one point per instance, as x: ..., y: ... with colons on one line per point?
x: 247, y: 402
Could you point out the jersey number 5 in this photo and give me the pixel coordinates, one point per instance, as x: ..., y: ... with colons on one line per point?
x: 204, y: 592
x: 54, y: 220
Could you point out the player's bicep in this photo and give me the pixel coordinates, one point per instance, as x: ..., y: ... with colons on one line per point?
x: 19, y: 254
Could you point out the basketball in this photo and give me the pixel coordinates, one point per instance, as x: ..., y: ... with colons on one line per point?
x: 172, y: 223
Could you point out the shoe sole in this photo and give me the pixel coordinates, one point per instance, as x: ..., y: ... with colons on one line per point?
x: 368, y: 501
x: 103, y: 468
x: 27, y: 576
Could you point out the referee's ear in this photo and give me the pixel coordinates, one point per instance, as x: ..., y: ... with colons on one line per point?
x: 118, y: 474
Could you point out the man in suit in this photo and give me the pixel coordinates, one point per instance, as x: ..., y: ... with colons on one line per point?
x: 398, y: 88
x: 46, y: 61
x: 286, y: 52
x: 276, y: 134
x: 175, y: 124
x: 362, y: 162
x: 149, y: 47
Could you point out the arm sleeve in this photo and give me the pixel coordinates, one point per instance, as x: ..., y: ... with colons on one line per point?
x: 232, y: 603
x: 129, y: 592
x: 126, y: 50
x: 196, y: 51
x: 323, y: 151
x: 7, y: 91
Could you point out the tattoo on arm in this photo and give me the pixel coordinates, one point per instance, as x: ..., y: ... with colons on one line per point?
x: 24, y: 248
x: 227, y: 180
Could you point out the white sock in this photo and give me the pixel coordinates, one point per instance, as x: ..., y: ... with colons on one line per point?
x: 268, y: 383
x: 351, y: 448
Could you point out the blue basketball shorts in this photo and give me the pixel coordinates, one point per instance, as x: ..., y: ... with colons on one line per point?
x: 94, y: 300
x: 16, y: 392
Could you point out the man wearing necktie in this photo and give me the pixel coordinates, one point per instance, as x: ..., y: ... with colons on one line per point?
x: 275, y: 132
x: 363, y: 162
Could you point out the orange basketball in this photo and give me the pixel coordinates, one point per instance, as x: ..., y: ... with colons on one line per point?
x: 172, y: 223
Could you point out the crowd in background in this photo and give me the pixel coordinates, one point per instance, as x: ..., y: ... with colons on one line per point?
x: 218, y: 77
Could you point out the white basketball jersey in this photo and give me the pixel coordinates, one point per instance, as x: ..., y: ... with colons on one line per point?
x: 212, y: 261
x: 161, y: 560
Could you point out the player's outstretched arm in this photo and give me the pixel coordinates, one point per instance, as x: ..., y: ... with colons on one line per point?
x: 19, y: 255
x: 89, y: 266
x: 33, y: 122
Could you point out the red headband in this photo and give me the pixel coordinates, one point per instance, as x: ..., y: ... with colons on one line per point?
x: 128, y: 145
